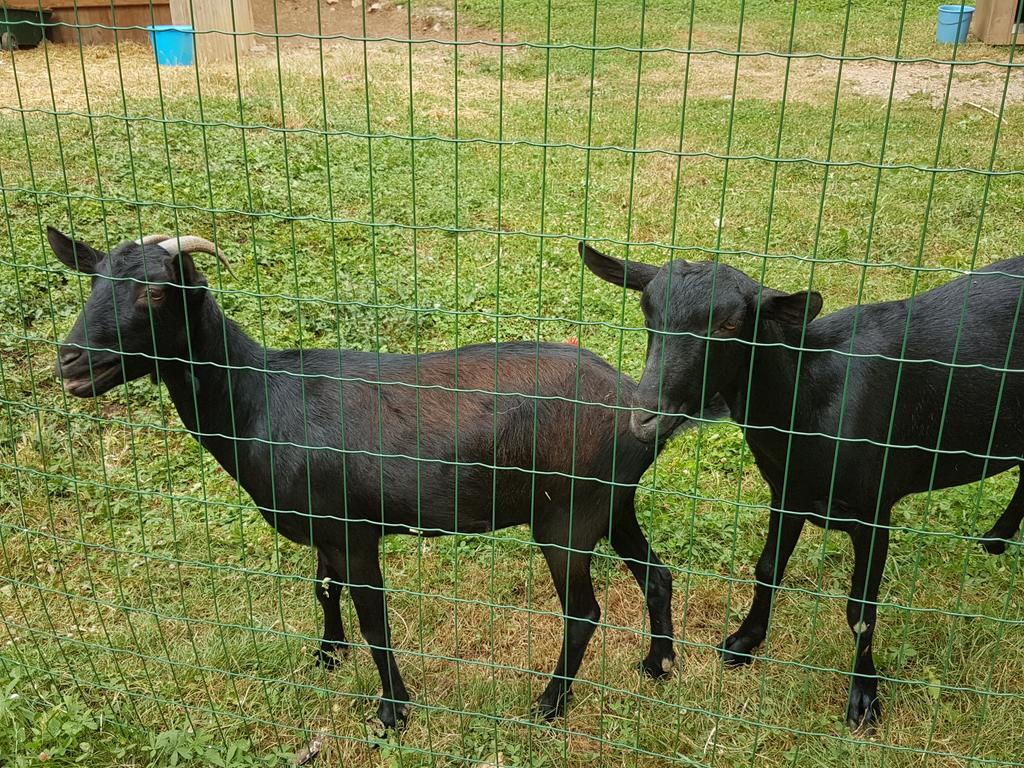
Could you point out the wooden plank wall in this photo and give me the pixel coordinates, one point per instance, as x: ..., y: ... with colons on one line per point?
x: 125, y: 13
x: 214, y: 20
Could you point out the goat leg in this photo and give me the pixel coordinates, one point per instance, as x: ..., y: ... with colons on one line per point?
x: 655, y: 582
x: 783, y: 531
x: 870, y: 547
x: 1008, y: 524
x: 570, y: 571
x: 366, y: 585
x: 328, y: 594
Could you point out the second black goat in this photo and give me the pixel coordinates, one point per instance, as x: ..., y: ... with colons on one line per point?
x: 845, y: 415
x: 338, y: 447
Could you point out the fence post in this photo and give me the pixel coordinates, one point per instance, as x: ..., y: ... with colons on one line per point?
x: 225, y: 16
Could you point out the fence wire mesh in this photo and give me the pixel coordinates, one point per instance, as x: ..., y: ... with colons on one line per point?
x: 409, y: 178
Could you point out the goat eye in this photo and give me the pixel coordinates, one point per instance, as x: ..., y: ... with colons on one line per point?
x: 729, y: 327
x: 152, y: 294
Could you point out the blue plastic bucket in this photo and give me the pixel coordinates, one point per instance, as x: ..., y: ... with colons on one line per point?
x: 954, y: 21
x: 172, y: 44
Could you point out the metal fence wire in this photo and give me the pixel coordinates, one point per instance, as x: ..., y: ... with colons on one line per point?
x: 399, y: 189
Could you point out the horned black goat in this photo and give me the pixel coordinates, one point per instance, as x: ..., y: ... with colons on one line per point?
x: 338, y: 447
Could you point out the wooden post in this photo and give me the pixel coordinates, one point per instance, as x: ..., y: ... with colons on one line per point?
x: 995, y: 20
x: 225, y: 16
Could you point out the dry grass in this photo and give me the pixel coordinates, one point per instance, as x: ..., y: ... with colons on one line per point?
x: 60, y: 78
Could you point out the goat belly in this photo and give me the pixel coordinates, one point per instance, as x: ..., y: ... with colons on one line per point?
x: 442, y: 498
x: 294, y: 526
x: 433, y: 529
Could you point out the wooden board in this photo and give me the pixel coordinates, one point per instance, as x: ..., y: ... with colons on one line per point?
x: 69, y: 5
x: 125, y: 14
x: 993, y: 21
x: 23, y: 5
x: 215, y: 21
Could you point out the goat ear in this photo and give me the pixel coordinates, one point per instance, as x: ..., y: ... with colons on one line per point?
x: 790, y: 308
x: 73, y: 254
x: 632, y: 274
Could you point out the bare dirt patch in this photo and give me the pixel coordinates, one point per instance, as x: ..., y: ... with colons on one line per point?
x: 970, y: 84
x: 345, y: 19
x: 813, y: 80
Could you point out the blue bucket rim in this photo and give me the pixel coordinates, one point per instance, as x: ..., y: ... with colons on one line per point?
x: 958, y: 9
x: 169, y: 27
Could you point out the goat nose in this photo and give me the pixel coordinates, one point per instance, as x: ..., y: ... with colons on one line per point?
x: 643, y: 425
x: 65, y: 358
x: 644, y: 419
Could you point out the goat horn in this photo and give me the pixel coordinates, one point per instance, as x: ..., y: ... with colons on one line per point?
x: 190, y: 243
x: 152, y: 239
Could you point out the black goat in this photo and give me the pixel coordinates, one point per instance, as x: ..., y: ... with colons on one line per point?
x: 844, y: 417
x: 337, y: 447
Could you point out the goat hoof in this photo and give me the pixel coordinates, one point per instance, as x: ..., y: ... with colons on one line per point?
x: 551, y: 707
x: 658, y: 667
x: 330, y: 653
x: 993, y: 544
x: 393, y: 714
x: 864, y: 709
x: 738, y: 649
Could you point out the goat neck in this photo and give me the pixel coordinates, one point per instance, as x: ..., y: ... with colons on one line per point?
x: 209, y: 387
x: 764, y: 387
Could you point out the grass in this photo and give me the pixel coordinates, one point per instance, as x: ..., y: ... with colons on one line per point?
x: 149, y: 613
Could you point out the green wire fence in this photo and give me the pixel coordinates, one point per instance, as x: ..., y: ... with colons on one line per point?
x: 406, y: 177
